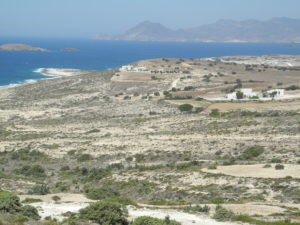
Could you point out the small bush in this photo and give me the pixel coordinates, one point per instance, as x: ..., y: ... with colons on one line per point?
x: 223, y: 214
x: 215, y: 112
x: 56, y: 198
x: 84, y: 157
x: 276, y: 160
x: 127, y: 97
x: 30, y: 212
x: 267, y: 166
x: 101, y: 193
x: 212, y: 167
x: 252, y: 152
x: 279, y: 167
x: 33, y: 171
x: 198, y: 208
x: 30, y: 200
x: 39, y: 189
x: 147, y: 220
x: 199, y: 109
x: 185, y: 108
x: 93, y: 131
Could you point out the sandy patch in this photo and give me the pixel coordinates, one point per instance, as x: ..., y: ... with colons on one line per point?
x: 253, y: 105
x: 184, y: 218
x: 257, y: 171
x: 58, y: 72
x: 55, y: 210
x: 64, y: 197
x: 254, y: 209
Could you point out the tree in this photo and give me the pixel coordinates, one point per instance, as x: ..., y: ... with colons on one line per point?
x: 273, y: 94
x: 105, y: 213
x: 239, y: 95
x: 185, y: 107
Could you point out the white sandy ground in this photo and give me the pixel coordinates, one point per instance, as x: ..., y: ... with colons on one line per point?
x: 257, y: 171
x: 75, y: 202
x: 55, y: 210
x: 56, y: 72
x: 184, y: 218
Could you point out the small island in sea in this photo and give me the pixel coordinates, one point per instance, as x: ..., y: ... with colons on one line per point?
x: 70, y: 50
x: 21, y: 47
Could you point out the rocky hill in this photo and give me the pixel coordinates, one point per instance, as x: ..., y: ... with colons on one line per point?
x: 20, y: 47
x: 273, y: 30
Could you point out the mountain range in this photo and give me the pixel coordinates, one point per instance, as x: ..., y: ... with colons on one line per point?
x: 273, y: 30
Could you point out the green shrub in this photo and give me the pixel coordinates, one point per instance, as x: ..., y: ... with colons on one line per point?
x: 223, y: 214
x: 212, y: 167
x: 215, y: 112
x: 101, y: 193
x: 279, y: 167
x: 9, y: 202
x: 267, y: 166
x: 127, y: 97
x: 30, y: 200
x: 292, y: 88
x: 56, y: 198
x: 105, y: 213
x: 147, y: 220
x: 84, y: 157
x: 252, y: 152
x: 276, y: 160
x: 26, y: 154
x: 239, y: 95
x: 33, y: 171
x: 30, y: 212
x: 185, y: 107
x: 93, y: 131
x: 199, y: 109
x: 39, y: 189
x: 198, y: 208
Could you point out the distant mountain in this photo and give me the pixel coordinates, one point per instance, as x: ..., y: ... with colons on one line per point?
x: 274, y: 30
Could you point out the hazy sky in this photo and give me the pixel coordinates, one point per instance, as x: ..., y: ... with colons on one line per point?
x: 84, y: 18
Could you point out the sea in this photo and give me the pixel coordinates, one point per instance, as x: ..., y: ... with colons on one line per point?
x: 22, y: 67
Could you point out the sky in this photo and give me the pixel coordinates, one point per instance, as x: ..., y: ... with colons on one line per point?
x: 85, y: 18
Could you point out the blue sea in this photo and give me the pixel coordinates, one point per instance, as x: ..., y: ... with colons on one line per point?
x: 19, y: 67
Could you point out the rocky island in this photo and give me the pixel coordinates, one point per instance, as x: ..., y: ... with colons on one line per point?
x: 21, y: 47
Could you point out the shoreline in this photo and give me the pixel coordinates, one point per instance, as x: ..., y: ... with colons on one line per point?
x: 48, y: 73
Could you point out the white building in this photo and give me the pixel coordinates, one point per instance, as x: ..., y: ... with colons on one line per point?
x: 130, y: 68
x: 247, y: 92
x: 139, y: 69
x: 127, y: 68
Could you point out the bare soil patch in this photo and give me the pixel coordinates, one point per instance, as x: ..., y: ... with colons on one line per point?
x: 257, y: 171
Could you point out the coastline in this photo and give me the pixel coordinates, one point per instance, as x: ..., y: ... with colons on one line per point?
x: 48, y: 73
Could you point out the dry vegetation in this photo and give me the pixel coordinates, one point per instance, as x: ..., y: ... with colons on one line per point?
x: 107, y: 134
